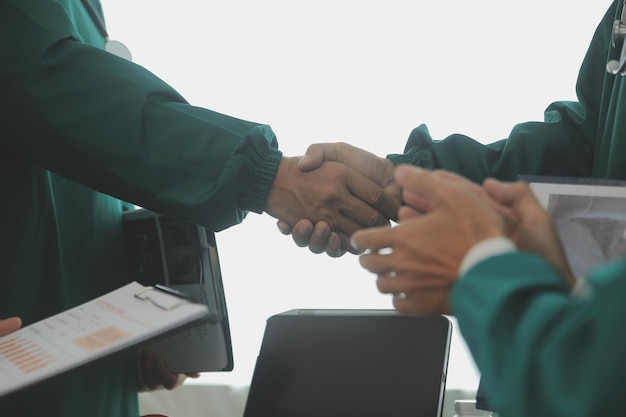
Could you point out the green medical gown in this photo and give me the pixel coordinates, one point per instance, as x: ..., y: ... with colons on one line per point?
x: 542, y: 352
x: 82, y: 131
x: 585, y: 138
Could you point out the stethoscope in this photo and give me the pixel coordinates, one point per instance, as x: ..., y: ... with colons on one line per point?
x: 619, y: 33
x: 114, y: 47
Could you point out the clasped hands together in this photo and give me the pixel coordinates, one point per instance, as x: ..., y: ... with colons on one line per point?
x: 330, y: 193
x: 444, y: 216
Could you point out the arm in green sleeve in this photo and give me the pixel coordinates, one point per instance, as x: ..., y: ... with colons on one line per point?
x: 567, y: 142
x: 541, y: 351
x: 113, y: 126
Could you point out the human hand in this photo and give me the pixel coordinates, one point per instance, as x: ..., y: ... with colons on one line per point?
x: 332, y: 193
x: 529, y: 226
x: 379, y: 170
x: 418, y: 261
x: 10, y: 325
x: 154, y: 374
x: 319, y: 237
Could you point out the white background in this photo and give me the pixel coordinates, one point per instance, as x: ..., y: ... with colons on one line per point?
x: 361, y: 71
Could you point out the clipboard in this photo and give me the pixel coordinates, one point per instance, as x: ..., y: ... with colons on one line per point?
x: 182, y: 257
x: 122, y: 319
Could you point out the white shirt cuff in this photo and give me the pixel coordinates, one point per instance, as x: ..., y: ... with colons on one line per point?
x: 486, y: 249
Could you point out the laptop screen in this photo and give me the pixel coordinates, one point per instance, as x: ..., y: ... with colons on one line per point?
x: 346, y: 363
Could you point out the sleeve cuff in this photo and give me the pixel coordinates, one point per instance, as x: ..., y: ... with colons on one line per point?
x: 486, y: 249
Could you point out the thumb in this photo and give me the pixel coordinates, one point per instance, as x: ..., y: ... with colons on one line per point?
x: 422, y: 190
x: 313, y: 158
x: 508, y: 194
x: 10, y: 325
x: 318, y: 153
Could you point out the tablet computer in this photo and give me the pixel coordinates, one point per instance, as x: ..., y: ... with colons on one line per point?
x: 342, y: 363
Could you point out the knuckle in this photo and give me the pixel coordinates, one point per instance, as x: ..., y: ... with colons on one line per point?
x: 376, y: 219
x: 377, y: 196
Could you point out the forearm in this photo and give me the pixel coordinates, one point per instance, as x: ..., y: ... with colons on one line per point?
x: 117, y: 128
x: 556, y: 148
x: 541, y: 351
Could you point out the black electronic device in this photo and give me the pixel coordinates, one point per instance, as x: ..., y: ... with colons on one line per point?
x: 350, y: 363
x: 182, y: 256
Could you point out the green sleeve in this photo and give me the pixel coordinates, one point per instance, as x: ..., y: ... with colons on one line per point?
x: 541, y: 351
x: 565, y: 143
x: 113, y: 126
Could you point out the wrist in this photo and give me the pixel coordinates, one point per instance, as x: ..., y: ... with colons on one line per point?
x: 485, y: 249
x: 280, y: 188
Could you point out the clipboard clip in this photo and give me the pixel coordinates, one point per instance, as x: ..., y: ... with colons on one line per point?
x: 163, y: 297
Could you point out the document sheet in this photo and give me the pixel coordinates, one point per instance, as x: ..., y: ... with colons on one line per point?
x: 120, y: 319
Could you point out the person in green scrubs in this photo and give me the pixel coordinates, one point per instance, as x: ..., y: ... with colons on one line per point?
x: 83, y: 133
x: 585, y: 138
x: 544, y: 347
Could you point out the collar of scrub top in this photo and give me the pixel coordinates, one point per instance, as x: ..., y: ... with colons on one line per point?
x: 114, y: 47
x: 615, y: 66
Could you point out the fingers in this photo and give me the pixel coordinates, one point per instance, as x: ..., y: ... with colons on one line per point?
x: 10, y: 325
x: 374, y: 239
x: 284, y: 227
x: 315, y: 237
x: 423, y: 190
x: 530, y: 226
x: 302, y: 232
x: 153, y: 372
x: 319, y: 238
x: 509, y: 194
x: 407, y: 213
x: 374, y: 206
x: 420, y: 187
x: 418, y: 260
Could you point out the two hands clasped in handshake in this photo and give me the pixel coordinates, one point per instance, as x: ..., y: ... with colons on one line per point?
x: 441, y: 216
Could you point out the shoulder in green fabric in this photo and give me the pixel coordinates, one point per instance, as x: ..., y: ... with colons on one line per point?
x: 56, y: 20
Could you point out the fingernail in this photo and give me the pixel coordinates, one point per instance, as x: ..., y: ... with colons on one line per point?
x: 403, y: 171
x: 321, y: 230
x: 305, y: 228
x: 490, y: 179
x: 354, y: 245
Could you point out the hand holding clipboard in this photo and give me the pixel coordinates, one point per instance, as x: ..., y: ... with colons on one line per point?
x: 122, y: 319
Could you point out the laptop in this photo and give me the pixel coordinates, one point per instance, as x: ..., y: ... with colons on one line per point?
x: 350, y: 363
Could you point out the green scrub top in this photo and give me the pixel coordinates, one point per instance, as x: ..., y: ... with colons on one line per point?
x: 82, y: 132
x: 541, y: 351
x: 581, y: 139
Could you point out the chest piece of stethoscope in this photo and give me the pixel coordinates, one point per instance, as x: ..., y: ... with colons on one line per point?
x: 118, y: 48
x: 617, y: 40
x: 114, y: 47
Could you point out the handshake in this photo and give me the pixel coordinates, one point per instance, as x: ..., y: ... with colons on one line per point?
x: 341, y: 190
x: 330, y: 193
